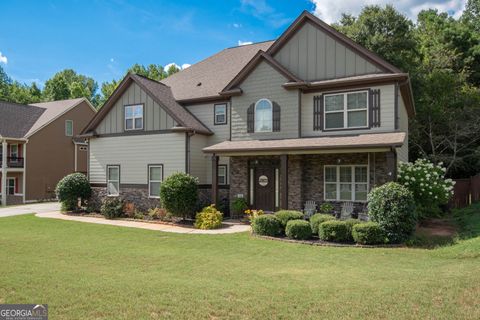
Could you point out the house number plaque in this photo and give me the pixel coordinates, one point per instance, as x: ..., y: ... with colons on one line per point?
x: 263, y: 181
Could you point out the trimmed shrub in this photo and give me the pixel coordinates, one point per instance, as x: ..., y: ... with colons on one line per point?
x: 112, y: 208
x: 333, y: 230
x: 326, y: 208
x: 350, y: 223
x: 179, y: 194
x: 209, y: 218
x: 318, y: 218
x: 393, y: 208
x: 239, y: 205
x: 267, y: 225
x: 71, y: 188
x: 298, y: 229
x: 368, y: 233
x: 286, y: 215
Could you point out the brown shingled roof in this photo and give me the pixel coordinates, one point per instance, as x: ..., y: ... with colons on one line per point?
x: 208, y: 77
x: 370, y: 140
x: 17, y: 119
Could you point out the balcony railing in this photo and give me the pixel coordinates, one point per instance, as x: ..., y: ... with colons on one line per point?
x: 13, y: 162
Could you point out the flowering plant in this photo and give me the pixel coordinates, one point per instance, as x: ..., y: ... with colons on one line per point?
x: 426, y: 181
x: 252, y: 214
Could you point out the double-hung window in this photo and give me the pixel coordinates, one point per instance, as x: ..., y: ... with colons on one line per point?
x: 347, y: 110
x: 14, y: 153
x: 222, y: 174
x: 11, y: 186
x: 113, y: 180
x: 69, y: 128
x: 155, y: 178
x: 134, y: 117
x: 346, y: 183
x: 220, y: 113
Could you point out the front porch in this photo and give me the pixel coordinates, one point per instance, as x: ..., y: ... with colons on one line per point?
x: 12, y: 170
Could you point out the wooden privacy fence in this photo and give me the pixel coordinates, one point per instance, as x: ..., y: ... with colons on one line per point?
x: 465, y: 192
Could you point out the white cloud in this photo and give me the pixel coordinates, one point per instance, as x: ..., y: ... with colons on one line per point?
x: 331, y: 10
x: 3, y: 59
x: 262, y: 11
x: 112, y: 60
x: 237, y: 25
x: 185, y: 65
x: 244, y: 43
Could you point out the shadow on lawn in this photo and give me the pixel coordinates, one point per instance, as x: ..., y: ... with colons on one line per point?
x: 461, y: 224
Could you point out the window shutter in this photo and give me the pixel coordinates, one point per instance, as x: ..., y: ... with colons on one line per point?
x: 251, y: 118
x: 374, y: 114
x: 276, y: 117
x: 317, y: 113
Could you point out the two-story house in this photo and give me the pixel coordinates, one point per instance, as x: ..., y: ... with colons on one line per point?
x: 309, y: 116
x: 38, y: 147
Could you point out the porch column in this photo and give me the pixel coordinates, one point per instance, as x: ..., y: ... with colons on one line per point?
x: 284, y: 181
x: 392, y: 165
x: 215, y: 179
x: 4, y: 172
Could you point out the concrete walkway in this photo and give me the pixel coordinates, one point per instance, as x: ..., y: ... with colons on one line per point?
x: 29, y: 208
x: 230, y: 227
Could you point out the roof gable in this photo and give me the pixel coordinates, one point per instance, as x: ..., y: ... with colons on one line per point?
x: 17, y: 119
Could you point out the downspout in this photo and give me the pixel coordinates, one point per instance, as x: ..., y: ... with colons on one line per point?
x: 25, y: 171
x: 4, y: 172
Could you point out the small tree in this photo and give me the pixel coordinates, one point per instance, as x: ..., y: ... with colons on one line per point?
x: 179, y: 194
x: 71, y: 188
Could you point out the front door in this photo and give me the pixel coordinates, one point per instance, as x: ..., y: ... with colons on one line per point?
x: 264, y: 184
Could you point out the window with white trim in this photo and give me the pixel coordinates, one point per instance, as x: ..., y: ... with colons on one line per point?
x: 134, y: 117
x: 263, y: 116
x: 222, y: 174
x: 220, y: 113
x: 69, y: 128
x: 113, y: 180
x: 347, y: 110
x: 155, y: 178
x: 11, y: 186
x: 346, y: 183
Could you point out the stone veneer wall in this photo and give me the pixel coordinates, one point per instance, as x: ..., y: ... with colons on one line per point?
x: 238, y: 177
x: 14, y: 200
x: 295, y: 182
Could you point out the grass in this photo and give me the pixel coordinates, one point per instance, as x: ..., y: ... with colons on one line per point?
x: 104, y: 272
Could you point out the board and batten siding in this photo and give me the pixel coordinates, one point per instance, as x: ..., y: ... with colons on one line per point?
x: 311, y: 54
x: 387, y: 113
x: 402, y: 153
x: 154, y: 116
x: 265, y: 82
x: 134, y: 154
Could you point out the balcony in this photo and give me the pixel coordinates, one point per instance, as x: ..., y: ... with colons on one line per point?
x: 13, y: 162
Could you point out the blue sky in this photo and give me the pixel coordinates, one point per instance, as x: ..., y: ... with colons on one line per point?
x: 102, y: 39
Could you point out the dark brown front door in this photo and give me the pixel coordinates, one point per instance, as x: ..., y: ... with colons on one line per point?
x: 264, y: 184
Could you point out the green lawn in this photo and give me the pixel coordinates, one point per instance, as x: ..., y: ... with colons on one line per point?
x: 87, y: 271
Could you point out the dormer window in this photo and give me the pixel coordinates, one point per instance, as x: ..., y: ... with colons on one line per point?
x: 346, y: 110
x: 134, y: 117
x: 263, y: 116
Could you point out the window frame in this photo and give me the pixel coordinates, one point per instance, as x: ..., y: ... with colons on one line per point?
x: 159, y: 165
x: 215, y: 122
x: 352, y: 182
x: 255, y: 116
x: 109, y: 180
x: 345, y: 110
x: 9, y: 187
x: 133, y: 118
x: 66, y: 128
x: 226, y: 174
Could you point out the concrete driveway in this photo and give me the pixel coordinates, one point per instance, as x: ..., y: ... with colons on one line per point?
x: 29, y: 208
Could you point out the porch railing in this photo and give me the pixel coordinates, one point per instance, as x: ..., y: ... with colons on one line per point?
x: 13, y: 162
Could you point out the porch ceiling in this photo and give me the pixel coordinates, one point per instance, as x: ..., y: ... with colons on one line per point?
x: 352, y: 143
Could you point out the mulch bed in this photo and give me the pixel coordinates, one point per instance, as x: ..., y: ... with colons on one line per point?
x: 330, y: 244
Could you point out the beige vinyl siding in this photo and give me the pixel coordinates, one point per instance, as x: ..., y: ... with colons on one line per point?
x: 313, y: 55
x: 402, y: 153
x: 387, y: 113
x: 154, y: 116
x: 198, y: 160
x: 205, y: 113
x: 134, y: 154
x: 265, y: 82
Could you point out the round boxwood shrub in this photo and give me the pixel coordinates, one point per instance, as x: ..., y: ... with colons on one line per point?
x: 209, y: 218
x: 392, y: 206
x: 112, y: 208
x: 350, y: 223
x: 298, y: 229
x: 368, y: 233
x: 179, y: 194
x: 286, y: 215
x: 71, y: 188
x: 318, y: 218
x: 267, y: 225
x: 333, y: 230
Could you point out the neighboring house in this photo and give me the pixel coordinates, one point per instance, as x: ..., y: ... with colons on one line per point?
x: 311, y: 116
x: 38, y: 147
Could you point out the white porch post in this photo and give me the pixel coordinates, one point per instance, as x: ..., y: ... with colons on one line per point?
x: 4, y: 172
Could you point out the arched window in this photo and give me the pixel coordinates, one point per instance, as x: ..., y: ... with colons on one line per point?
x: 263, y: 116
